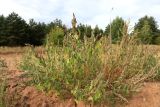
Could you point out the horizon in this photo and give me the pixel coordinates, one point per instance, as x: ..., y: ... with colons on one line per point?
x: 91, y: 12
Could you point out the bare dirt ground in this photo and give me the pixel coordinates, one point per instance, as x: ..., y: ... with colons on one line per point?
x: 20, y: 95
x: 149, y: 96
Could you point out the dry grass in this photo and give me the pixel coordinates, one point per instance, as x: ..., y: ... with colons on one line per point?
x: 152, y: 49
x: 14, y: 50
x: 93, y: 73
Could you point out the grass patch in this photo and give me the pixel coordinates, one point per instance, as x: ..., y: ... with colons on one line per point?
x: 2, y: 93
x: 2, y: 84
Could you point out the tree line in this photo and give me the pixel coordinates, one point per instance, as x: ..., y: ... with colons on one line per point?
x: 15, y: 31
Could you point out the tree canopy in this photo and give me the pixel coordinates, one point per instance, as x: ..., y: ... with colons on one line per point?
x: 147, y: 30
x: 116, y: 29
x: 15, y: 31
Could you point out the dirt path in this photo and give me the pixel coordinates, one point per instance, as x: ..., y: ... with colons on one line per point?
x: 27, y: 96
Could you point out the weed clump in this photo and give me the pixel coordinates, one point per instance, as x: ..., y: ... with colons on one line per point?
x: 92, y: 73
x: 2, y: 84
x: 2, y: 64
x: 2, y: 93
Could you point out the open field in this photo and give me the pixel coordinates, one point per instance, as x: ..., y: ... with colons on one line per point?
x: 102, y: 53
x: 19, y: 94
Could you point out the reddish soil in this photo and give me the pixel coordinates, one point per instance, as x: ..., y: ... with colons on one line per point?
x: 21, y: 95
x: 149, y: 96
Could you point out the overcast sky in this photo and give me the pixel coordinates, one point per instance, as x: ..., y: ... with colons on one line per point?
x: 87, y: 11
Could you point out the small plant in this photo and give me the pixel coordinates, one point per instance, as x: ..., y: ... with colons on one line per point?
x: 2, y: 84
x: 2, y: 64
x: 92, y: 73
x: 2, y: 93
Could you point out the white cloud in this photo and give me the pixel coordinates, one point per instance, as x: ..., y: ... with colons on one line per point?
x: 87, y: 11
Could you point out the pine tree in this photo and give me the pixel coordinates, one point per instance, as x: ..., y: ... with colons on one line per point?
x: 116, y: 29
x: 147, y: 30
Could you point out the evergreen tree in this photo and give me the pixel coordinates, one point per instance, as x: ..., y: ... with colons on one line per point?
x: 81, y: 30
x: 88, y: 31
x: 37, y: 32
x: 15, y: 30
x: 53, y: 24
x: 147, y: 29
x: 145, y: 34
x: 116, y: 29
x: 97, y: 33
x: 2, y: 31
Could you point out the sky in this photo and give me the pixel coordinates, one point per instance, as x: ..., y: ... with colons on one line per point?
x: 92, y: 12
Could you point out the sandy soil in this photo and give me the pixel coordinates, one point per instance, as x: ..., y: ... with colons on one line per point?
x: 28, y: 96
x: 12, y: 59
x: 149, y: 96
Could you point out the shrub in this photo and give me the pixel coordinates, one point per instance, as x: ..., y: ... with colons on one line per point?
x: 89, y: 72
x: 2, y: 64
x: 55, y: 36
